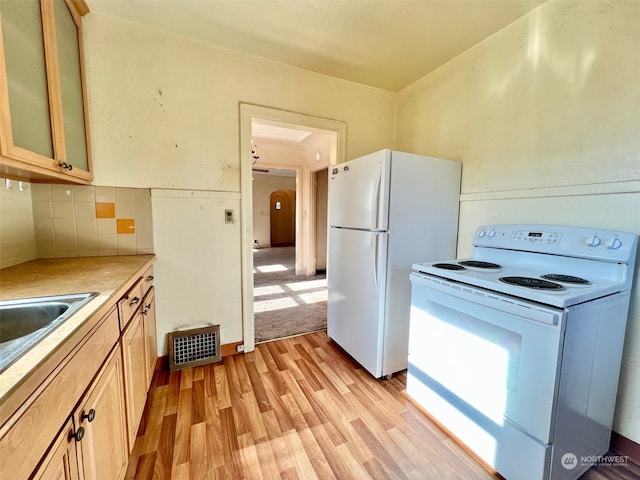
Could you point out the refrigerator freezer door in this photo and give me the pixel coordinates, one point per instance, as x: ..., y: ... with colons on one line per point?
x: 357, y: 278
x: 359, y: 192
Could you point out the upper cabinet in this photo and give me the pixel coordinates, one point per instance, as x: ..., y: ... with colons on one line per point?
x: 44, y: 132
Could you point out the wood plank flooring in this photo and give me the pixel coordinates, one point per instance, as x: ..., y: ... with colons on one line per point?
x: 297, y: 408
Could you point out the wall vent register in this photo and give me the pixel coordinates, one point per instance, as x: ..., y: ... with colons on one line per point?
x: 190, y: 348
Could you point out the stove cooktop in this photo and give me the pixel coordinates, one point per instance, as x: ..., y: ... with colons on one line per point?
x: 527, y: 280
x: 550, y: 264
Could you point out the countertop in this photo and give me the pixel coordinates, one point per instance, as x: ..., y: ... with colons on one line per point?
x: 107, y: 276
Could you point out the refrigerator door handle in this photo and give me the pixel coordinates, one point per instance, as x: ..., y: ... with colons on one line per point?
x: 375, y: 200
x: 376, y: 239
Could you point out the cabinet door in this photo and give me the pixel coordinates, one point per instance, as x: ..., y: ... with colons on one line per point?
x: 69, y: 53
x: 43, y: 109
x: 61, y: 462
x: 149, y: 316
x: 135, y: 373
x: 103, y: 450
x: 24, y: 79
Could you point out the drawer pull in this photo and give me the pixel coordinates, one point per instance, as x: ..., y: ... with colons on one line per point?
x: 89, y: 416
x: 149, y: 278
x: 78, y: 435
x: 133, y: 302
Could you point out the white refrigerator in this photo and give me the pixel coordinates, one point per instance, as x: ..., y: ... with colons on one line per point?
x: 387, y: 210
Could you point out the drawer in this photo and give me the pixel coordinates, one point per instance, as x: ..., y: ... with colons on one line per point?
x: 27, y: 440
x: 129, y: 303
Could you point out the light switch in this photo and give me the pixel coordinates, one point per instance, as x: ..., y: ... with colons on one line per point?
x: 228, y: 216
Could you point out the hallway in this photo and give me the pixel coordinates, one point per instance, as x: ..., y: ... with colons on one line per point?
x: 284, y: 304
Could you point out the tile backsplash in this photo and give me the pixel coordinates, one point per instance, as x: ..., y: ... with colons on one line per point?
x: 17, y: 236
x: 50, y: 221
x: 83, y: 221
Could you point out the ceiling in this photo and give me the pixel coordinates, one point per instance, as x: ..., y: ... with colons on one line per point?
x: 382, y: 43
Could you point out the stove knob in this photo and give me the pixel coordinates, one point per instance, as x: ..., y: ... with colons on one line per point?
x: 613, y: 243
x: 481, y: 233
x: 593, y: 241
x: 491, y: 234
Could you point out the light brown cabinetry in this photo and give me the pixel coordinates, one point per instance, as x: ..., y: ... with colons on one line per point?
x: 135, y: 374
x: 70, y: 417
x: 149, y: 325
x: 39, y: 420
x: 62, y: 462
x: 139, y: 348
x: 96, y: 447
x: 103, y: 452
x: 44, y: 133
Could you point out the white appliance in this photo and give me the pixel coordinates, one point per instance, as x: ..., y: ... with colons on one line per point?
x: 516, y: 351
x: 387, y: 210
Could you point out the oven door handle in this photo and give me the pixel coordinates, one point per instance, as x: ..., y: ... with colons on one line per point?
x: 516, y: 306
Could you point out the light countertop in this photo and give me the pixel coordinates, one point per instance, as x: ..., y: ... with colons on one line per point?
x: 110, y: 277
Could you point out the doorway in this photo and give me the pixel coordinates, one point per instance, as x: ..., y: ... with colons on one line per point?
x: 271, y: 156
x: 282, y: 219
x: 321, y: 182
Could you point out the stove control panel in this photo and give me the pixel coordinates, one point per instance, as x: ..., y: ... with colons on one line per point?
x: 538, y: 236
x: 582, y: 242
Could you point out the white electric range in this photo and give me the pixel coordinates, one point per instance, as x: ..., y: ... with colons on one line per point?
x: 516, y: 351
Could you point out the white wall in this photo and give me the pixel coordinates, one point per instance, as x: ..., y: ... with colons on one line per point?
x: 263, y: 187
x: 165, y: 114
x: 544, y: 116
x: 165, y: 110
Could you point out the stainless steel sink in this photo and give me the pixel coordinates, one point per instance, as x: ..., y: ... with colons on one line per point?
x: 25, y: 322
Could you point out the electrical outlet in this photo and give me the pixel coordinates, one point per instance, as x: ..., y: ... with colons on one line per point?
x: 239, y: 348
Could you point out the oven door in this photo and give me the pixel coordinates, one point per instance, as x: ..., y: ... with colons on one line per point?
x: 488, y: 360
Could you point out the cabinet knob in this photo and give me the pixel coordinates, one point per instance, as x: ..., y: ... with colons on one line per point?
x: 65, y: 165
x: 78, y: 434
x: 89, y: 416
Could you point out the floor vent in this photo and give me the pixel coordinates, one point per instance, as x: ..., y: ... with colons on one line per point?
x: 190, y: 348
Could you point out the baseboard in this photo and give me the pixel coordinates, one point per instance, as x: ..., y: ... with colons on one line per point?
x: 162, y: 363
x: 230, y: 349
x: 624, y: 446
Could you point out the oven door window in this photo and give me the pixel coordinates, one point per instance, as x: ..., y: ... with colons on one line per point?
x: 494, y: 364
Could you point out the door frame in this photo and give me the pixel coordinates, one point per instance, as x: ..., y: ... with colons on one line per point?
x: 248, y: 112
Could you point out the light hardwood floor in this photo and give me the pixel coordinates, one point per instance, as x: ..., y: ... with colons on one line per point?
x: 297, y: 408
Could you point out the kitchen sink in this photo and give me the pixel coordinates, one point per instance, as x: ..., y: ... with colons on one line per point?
x: 25, y: 322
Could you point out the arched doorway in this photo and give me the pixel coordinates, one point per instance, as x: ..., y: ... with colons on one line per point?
x: 282, y: 218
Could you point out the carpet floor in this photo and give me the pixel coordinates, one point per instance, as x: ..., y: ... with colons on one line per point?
x: 285, y: 304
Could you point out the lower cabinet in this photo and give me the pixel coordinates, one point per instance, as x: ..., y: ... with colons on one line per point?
x: 102, y: 452
x: 149, y: 323
x: 62, y: 462
x: 139, y: 353
x: 135, y: 373
x: 93, y: 442
x: 97, y: 392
